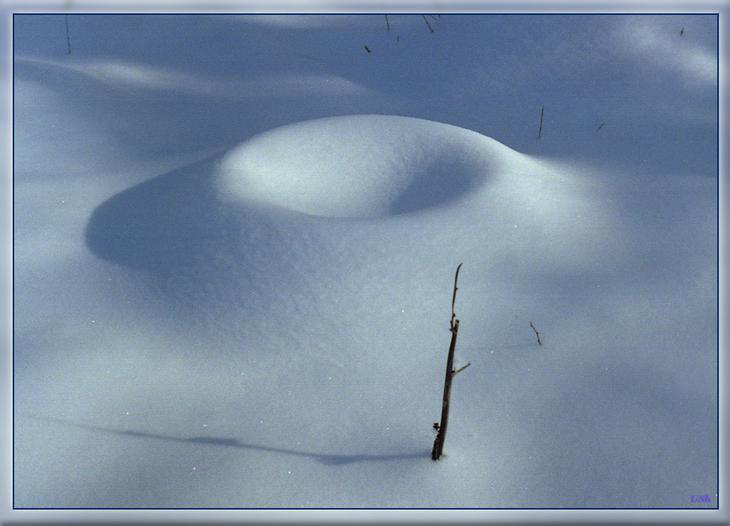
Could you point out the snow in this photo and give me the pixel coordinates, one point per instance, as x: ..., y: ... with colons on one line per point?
x: 234, y: 264
x: 388, y: 165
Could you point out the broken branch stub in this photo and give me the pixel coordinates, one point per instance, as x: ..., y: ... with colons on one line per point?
x: 461, y: 368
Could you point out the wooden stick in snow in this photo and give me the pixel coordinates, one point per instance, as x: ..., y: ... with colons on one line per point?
x: 438, y: 444
x: 387, y: 24
x: 539, y: 131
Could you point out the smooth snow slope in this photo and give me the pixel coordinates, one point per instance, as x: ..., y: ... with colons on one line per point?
x: 243, y: 301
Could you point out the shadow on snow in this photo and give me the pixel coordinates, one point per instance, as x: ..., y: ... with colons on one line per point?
x: 324, y: 458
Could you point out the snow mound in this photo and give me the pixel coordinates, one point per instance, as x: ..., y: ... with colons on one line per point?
x: 360, y: 166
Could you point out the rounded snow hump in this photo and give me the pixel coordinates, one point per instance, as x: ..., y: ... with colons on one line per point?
x: 360, y: 166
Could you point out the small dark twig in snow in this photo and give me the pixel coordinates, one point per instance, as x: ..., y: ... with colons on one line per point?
x: 367, y: 49
x: 681, y: 32
x: 429, y: 25
x: 461, y: 368
x: 68, y: 36
x: 536, y: 334
x: 542, y: 113
x: 600, y: 126
x: 387, y: 24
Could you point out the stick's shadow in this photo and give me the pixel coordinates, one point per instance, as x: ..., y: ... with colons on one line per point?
x: 324, y: 458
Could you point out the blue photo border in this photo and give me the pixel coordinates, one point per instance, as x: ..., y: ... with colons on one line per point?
x: 701, y: 513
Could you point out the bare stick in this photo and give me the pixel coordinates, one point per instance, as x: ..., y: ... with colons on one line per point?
x: 539, y: 131
x: 68, y: 36
x: 429, y: 25
x: 453, y: 298
x: 367, y: 49
x: 438, y: 444
x: 387, y: 24
x: 600, y: 126
x: 536, y: 334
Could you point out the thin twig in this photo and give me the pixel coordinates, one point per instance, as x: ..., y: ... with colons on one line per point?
x: 539, y: 131
x: 429, y: 25
x: 600, y: 126
x: 461, y: 368
x: 68, y: 36
x: 536, y: 334
x: 453, y: 298
x: 387, y: 24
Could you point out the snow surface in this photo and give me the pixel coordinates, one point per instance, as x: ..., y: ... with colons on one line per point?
x: 385, y: 165
x: 235, y: 240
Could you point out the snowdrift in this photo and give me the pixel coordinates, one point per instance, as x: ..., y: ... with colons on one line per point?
x: 362, y: 166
